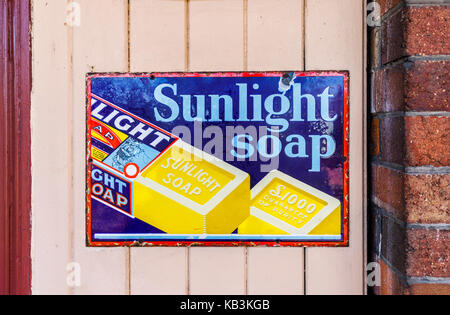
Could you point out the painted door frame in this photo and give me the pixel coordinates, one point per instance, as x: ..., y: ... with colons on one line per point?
x: 15, y: 147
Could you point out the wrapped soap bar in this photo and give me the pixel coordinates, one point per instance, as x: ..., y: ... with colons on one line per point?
x: 282, y: 205
x: 187, y: 191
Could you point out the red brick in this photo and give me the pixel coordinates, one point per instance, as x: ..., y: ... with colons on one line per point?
x: 427, y: 86
x: 377, y: 86
x: 428, y: 253
x: 387, y: 187
x: 393, y: 38
x: 390, y: 282
x: 392, y: 139
x: 375, y: 137
x: 388, y: 89
x: 373, y: 230
x: 427, y: 141
x: 386, y: 5
x: 429, y: 289
x: 427, y: 198
x: 393, y: 243
x: 416, y: 31
x: 414, y: 86
x: 427, y: 30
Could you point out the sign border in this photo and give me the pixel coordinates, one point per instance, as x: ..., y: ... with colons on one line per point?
x: 188, y: 243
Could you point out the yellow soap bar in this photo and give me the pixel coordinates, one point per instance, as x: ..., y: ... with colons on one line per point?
x: 98, y: 154
x: 187, y: 191
x: 283, y: 205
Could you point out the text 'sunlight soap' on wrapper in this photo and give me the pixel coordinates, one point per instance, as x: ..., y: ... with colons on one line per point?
x: 282, y: 205
x: 186, y: 191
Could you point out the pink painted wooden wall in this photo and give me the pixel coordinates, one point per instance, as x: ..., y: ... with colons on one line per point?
x: 180, y: 35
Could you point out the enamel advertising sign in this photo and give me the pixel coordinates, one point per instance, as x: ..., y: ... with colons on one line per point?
x: 217, y: 159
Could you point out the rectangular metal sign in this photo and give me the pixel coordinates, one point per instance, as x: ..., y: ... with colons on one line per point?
x: 218, y: 159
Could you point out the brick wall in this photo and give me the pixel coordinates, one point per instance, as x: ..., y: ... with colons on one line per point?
x: 409, y: 212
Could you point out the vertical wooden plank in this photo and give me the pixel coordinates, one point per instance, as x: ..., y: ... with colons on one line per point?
x: 215, y: 37
x: 275, y: 271
x: 334, y: 41
x: 157, y: 44
x: 216, y: 43
x: 100, y: 44
x: 50, y: 157
x: 275, y: 42
x: 217, y: 271
x: 157, y: 35
x: 275, y: 35
x: 158, y: 271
